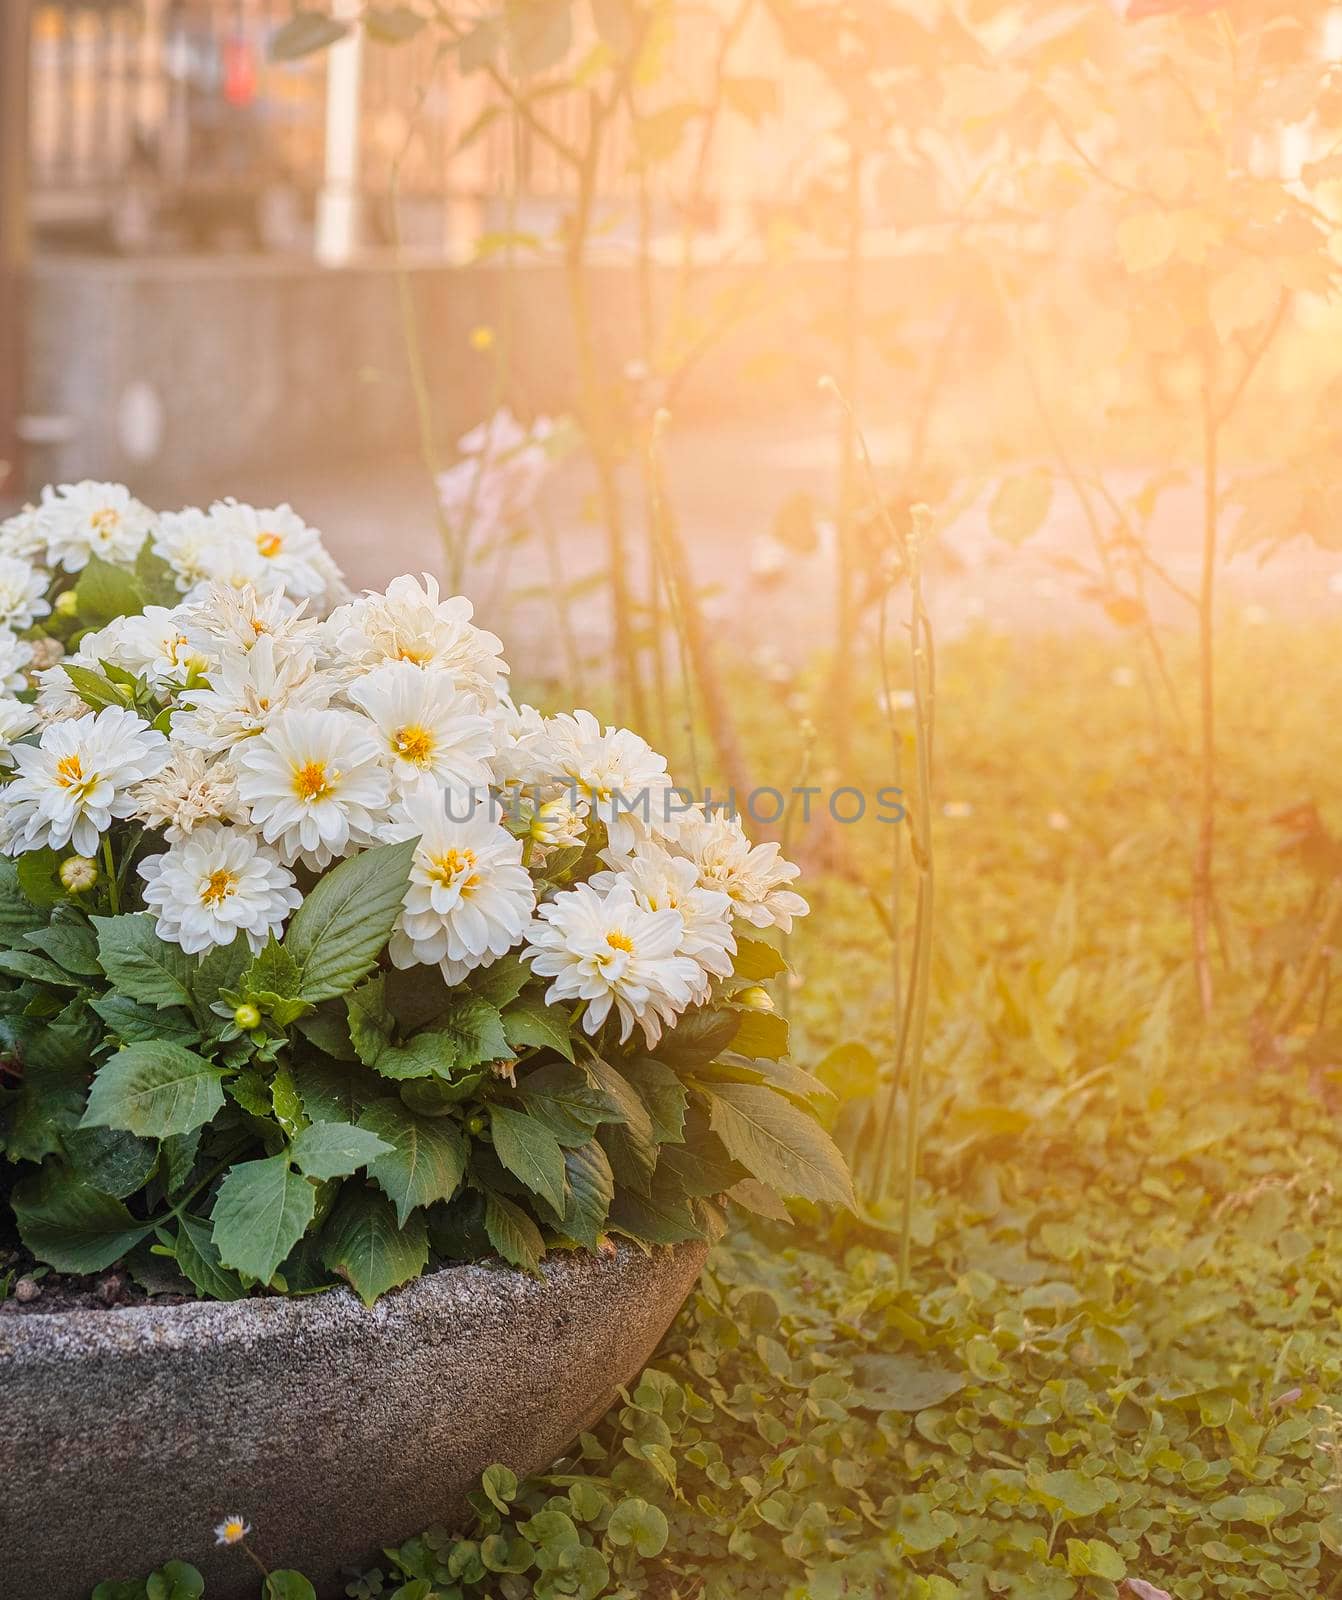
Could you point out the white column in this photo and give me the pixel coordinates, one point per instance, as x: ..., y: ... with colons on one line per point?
x: 338, y: 202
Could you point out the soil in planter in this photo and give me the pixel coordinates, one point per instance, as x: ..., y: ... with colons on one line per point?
x: 27, y: 1288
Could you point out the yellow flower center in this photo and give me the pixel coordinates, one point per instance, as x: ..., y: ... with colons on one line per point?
x: 69, y: 772
x: 311, y: 781
x: 269, y: 544
x: 420, y: 654
x: 413, y: 743
x: 620, y: 941
x: 104, y: 522
x: 218, y: 886
x: 449, y: 866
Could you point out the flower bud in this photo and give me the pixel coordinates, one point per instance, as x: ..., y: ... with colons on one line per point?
x: 477, y: 1124
x: 66, y: 603
x: 247, y: 1017
x: 755, y: 998
x: 78, y: 874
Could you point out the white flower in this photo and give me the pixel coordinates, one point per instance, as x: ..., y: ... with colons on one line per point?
x: 188, y: 792
x: 22, y: 594
x: 430, y: 731
x: 245, y: 692
x: 411, y: 623
x: 16, y: 719
x: 232, y: 1530
x: 470, y: 898
x: 154, y: 645
x: 609, y: 951
x: 222, y: 620
x: 315, y: 784
x: 289, y: 553
x: 523, y: 749
x: 71, y: 785
x: 218, y: 883
x: 663, y: 882
x: 21, y: 535
x: 619, y: 774
x: 752, y: 876
x: 184, y: 539
x: 79, y: 520
x: 559, y: 823
x: 15, y: 657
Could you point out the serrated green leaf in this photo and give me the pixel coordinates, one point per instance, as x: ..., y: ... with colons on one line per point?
x: 426, y: 1159
x: 761, y: 1034
x: 140, y: 964
x: 332, y: 1091
x: 196, y: 1254
x: 533, y: 1023
x: 337, y: 933
x: 72, y: 1227
x: 756, y: 961
x: 368, y: 1245
x: 111, y: 1160
x: 513, y: 1234
x: 778, y: 1144
x: 531, y: 1153
x: 18, y: 915
x: 591, y: 1188
x: 335, y: 1149
x: 262, y: 1210
x: 664, y: 1095
x: 154, y: 1088
x: 104, y: 592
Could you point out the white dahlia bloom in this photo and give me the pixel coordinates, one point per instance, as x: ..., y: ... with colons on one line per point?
x: 608, y: 950
x: 559, y: 823
x: 188, y: 791
x: 16, y: 719
x: 315, y: 785
x: 431, y: 732
x: 154, y: 645
x: 620, y: 775
x: 245, y: 692
x: 218, y: 883
x: 412, y: 623
x: 16, y: 656
x: 470, y: 898
x: 21, y: 535
x: 663, y: 882
x: 524, y: 753
x: 23, y: 593
x: 288, y: 552
x: 223, y: 621
x: 70, y: 786
x: 79, y: 520
x: 185, y: 539
x: 752, y: 876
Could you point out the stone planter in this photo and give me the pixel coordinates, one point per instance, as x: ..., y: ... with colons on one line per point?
x: 333, y: 1429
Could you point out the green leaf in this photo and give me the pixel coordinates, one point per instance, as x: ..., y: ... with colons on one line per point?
x: 370, y: 1023
x: 500, y: 1486
x: 140, y: 964
x: 288, y: 1585
x: 69, y: 941
x: 762, y: 1034
x: 219, y: 968
x: 903, y: 1382
x: 476, y: 1030
x: 502, y: 981
x: 155, y: 577
x: 659, y: 1217
x: 563, y: 1098
x: 331, y: 1091
x: 664, y: 1095
x: 96, y: 691
x: 533, y: 1023
x: 426, y: 1159
x: 155, y: 1089
x: 339, y: 930
x: 20, y: 900
x: 72, y: 1227
x: 756, y: 961
x: 104, y: 592
x: 513, y: 1234
x: 305, y: 33
x: 780, y: 1075
x: 273, y: 973
x: 261, y: 1212
x: 28, y: 964
x: 635, y: 1522
x: 196, y: 1254
x: 335, y: 1149
x: 175, y: 1580
x: 369, y: 1247
x: 591, y: 1188
x: 531, y: 1153
x: 697, y: 1037
x: 778, y: 1144
x: 111, y: 1160
x: 133, y: 1022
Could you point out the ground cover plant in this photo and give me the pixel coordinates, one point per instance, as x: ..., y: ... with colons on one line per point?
x: 242, y: 1034
x: 1117, y: 1370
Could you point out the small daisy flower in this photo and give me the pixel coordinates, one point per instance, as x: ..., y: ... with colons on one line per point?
x: 80, y: 520
x: 184, y: 540
x: 663, y: 882
x: 188, y: 792
x: 218, y: 883
x: 751, y: 876
x: 611, y: 952
x: 470, y: 898
x: 559, y: 823
x: 315, y: 784
x: 16, y: 656
x: 22, y: 594
x: 222, y: 620
x: 620, y: 775
x: 411, y: 622
x: 21, y: 535
x: 430, y: 731
x: 70, y: 786
x: 245, y: 692
x: 287, y: 550
x: 232, y: 1530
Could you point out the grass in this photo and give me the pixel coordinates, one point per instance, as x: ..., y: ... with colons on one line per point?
x: 1118, y: 1370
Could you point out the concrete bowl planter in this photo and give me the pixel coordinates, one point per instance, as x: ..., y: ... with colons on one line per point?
x: 333, y: 1429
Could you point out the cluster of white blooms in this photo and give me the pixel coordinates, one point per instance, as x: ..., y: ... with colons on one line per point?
x: 293, y: 741
x: 501, y: 469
